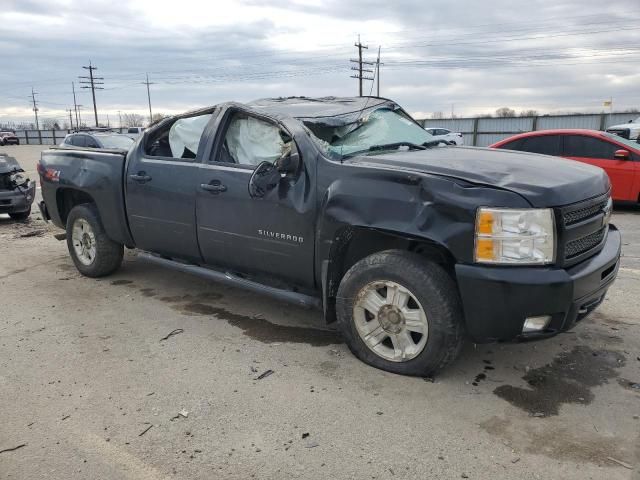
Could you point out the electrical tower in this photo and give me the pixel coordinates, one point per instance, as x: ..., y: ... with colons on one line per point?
x: 35, y: 107
x: 147, y: 83
x: 360, y: 68
x: 94, y: 84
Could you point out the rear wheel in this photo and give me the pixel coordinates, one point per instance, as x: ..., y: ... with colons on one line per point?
x: 401, y: 313
x: 92, y: 251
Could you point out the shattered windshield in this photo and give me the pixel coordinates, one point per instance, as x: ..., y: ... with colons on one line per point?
x: 382, y: 129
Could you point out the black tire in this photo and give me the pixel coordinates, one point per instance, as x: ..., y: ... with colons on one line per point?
x: 435, y: 291
x: 20, y: 216
x: 108, y: 254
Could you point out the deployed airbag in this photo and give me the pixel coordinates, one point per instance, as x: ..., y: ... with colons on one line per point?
x: 251, y: 141
x: 186, y: 133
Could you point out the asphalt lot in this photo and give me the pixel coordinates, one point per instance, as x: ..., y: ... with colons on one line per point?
x: 92, y: 390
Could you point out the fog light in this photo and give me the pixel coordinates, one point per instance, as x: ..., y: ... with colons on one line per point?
x: 536, y: 324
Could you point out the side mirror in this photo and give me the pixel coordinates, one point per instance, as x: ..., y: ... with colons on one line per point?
x: 289, y: 163
x: 622, y: 155
x: 265, y: 178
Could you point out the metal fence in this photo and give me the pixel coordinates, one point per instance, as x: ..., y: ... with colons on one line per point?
x: 484, y: 131
x: 49, y: 137
x: 480, y: 131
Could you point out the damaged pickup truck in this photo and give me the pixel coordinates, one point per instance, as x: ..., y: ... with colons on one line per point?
x: 17, y: 192
x: 347, y: 204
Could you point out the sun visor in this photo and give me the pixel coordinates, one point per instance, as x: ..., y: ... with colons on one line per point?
x: 186, y: 133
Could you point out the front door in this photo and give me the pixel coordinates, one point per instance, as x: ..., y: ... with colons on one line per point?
x: 273, y: 235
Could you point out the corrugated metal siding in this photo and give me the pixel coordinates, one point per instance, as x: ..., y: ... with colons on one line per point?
x: 514, y: 124
x: 592, y: 122
x: 491, y: 130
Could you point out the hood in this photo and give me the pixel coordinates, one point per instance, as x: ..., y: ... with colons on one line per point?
x: 543, y: 180
x: 8, y: 164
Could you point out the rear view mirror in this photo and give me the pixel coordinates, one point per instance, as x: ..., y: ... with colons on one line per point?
x: 622, y: 154
x: 265, y: 177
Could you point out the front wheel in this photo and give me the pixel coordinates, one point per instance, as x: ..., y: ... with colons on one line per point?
x: 20, y: 216
x: 92, y: 251
x: 401, y: 313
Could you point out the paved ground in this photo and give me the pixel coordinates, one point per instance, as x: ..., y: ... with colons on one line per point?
x: 92, y: 390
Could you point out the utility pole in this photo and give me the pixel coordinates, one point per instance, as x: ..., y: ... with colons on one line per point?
x: 94, y: 84
x: 147, y: 83
x: 79, y: 116
x: 377, y: 75
x: 70, y: 119
x: 119, y: 120
x: 360, y: 68
x: 75, y: 104
x: 35, y: 107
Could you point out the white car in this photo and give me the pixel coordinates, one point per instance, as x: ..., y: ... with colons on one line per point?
x: 448, y: 135
x: 629, y: 130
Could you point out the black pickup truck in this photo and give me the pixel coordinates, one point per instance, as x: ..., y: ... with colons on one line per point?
x: 348, y: 205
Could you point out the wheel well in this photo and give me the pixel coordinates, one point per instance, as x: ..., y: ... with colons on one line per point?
x: 356, y: 243
x: 67, y: 198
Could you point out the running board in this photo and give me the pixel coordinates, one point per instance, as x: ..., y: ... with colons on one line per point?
x: 235, y: 281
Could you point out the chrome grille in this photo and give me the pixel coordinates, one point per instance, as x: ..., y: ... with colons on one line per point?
x: 584, y: 244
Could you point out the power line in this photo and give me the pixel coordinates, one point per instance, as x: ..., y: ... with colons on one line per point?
x: 92, y: 83
x: 360, y: 68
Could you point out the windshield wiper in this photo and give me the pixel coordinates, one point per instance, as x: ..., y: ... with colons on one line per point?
x: 391, y: 146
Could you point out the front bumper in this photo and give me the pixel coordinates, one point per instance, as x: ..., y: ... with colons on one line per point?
x: 17, y: 201
x: 497, y: 300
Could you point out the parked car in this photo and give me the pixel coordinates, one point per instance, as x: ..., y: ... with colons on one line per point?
x: 447, y: 135
x: 343, y: 204
x: 135, y: 130
x: 17, y: 192
x: 619, y: 157
x: 98, y: 140
x: 629, y: 130
x: 9, y: 138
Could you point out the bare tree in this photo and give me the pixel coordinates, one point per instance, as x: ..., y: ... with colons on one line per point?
x: 437, y: 115
x: 529, y: 113
x: 132, y: 120
x: 505, y: 112
x: 49, y: 124
x: 157, y: 117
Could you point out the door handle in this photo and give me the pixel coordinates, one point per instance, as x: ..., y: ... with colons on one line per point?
x: 140, y: 177
x: 214, y: 187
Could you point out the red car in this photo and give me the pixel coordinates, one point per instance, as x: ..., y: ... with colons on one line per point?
x: 619, y: 157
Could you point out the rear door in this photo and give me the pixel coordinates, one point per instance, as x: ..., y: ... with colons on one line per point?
x: 601, y: 153
x: 161, y: 198
x: 272, y: 235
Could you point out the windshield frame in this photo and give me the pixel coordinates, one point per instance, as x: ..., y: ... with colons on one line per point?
x: 627, y: 142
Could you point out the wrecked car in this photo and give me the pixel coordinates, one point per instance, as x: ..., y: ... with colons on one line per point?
x: 345, y: 205
x: 17, y: 192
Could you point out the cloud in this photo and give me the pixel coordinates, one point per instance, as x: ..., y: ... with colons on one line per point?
x: 537, y: 54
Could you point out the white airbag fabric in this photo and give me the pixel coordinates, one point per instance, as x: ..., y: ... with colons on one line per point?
x: 186, y: 133
x: 251, y: 141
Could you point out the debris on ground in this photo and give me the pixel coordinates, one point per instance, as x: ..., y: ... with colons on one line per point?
x: 305, y: 435
x: 172, y: 333
x: 515, y: 460
x: 312, y: 445
x: 620, y: 462
x: 264, y: 374
x: 12, y: 449
x: 32, y: 233
x: 182, y: 413
x: 145, y: 430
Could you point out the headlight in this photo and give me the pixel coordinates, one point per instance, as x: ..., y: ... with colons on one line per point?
x: 508, y: 236
x: 19, y: 179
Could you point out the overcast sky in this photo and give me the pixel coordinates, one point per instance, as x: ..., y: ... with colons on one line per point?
x: 470, y: 55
